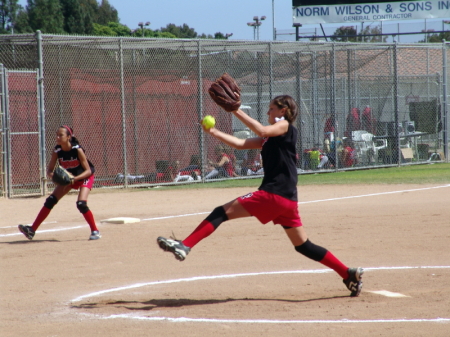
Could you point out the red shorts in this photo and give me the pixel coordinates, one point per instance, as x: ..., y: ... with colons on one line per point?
x: 267, y: 207
x: 88, y: 182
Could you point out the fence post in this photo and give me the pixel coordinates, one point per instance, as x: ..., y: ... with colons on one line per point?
x: 445, y: 100
x: 4, y: 115
x: 124, y: 127
x: 270, y: 71
x: 41, y: 115
x: 298, y: 97
x: 397, y: 138
x: 200, y: 109
x: 333, y: 102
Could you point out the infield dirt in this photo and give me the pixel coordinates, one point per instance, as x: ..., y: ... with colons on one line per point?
x: 41, y: 279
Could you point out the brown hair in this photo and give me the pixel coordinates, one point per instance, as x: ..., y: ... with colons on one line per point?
x: 286, y: 101
x: 69, y: 132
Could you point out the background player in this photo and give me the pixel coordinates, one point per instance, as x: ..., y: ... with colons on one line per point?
x: 70, y: 155
x: 276, y: 198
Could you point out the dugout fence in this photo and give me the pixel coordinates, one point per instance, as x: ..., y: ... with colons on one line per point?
x: 135, y: 103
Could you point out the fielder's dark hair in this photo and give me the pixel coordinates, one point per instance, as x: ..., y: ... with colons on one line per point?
x: 286, y: 101
x: 69, y: 132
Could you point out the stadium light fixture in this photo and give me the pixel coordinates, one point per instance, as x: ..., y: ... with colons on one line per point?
x: 257, y: 21
x: 141, y: 24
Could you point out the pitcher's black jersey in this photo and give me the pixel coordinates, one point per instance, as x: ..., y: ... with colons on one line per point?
x: 70, y: 161
x: 279, y: 158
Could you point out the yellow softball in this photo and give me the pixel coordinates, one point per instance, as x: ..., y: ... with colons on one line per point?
x: 208, y: 122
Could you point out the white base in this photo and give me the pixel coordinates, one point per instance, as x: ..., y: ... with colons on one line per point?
x: 121, y: 220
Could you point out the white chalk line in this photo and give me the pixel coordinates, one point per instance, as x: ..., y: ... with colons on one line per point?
x: 202, y: 213
x: 374, y: 194
x: 46, y: 230
x: 28, y: 224
x: 213, y: 320
x: 215, y: 277
x: 313, y: 201
x: 252, y: 321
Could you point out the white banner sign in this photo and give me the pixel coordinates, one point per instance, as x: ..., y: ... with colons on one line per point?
x: 409, y: 10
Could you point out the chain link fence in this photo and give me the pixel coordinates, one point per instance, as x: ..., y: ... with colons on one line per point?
x: 135, y: 104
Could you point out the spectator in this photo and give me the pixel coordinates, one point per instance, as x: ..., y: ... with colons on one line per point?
x: 330, y: 151
x: 223, y: 167
x: 252, y: 163
x: 194, y: 170
x: 368, y: 122
x: 229, y: 151
x: 353, y: 122
x: 348, y: 153
x: 323, y: 160
x: 329, y: 128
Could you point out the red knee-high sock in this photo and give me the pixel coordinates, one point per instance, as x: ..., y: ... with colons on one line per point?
x: 334, y: 263
x: 42, y: 215
x: 90, y: 220
x: 206, y: 227
x: 202, y: 231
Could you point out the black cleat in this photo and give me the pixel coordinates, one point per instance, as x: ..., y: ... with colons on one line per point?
x: 27, y: 231
x: 95, y: 235
x: 354, y: 283
x: 174, y: 246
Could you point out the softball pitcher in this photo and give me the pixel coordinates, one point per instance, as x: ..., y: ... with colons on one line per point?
x: 276, y: 198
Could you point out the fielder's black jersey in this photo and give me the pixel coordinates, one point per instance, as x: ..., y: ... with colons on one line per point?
x: 69, y: 160
x: 279, y: 160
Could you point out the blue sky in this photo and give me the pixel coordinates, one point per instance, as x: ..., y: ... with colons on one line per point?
x: 231, y: 16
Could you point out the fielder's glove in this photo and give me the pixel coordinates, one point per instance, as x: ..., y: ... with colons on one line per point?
x: 62, y: 177
x: 226, y: 93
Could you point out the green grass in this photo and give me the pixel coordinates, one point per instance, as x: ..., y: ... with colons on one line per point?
x: 437, y: 173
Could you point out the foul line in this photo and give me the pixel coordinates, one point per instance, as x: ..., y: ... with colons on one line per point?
x: 200, y: 278
x: 214, y: 320
x: 46, y: 230
x: 29, y: 224
x: 313, y: 201
x: 201, y: 213
x: 374, y: 194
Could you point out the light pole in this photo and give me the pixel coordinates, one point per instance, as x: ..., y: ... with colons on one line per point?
x: 141, y: 24
x: 273, y: 21
x: 257, y: 21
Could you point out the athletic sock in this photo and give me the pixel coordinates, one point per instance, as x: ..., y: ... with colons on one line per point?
x: 90, y: 220
x: 206, y: 227
x: 42, y: 215
x: 334, y: 263
x: 202, y: 231
x: 322, y: 255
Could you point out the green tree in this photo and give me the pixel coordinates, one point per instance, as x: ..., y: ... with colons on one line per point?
x: 22, y: 25
x: 164, y: 35
x: 46, y: 15
x: 73, y: 17
x: 119, y: 29
x: 373, y: 31
x: 437, y: 38
x: 8, y: 15
x: 107, y: 13
x: 183, y: 32
x: 111, y: 29
x: 89, y: 14
x: 101, y: 30
x: 345, y: 34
